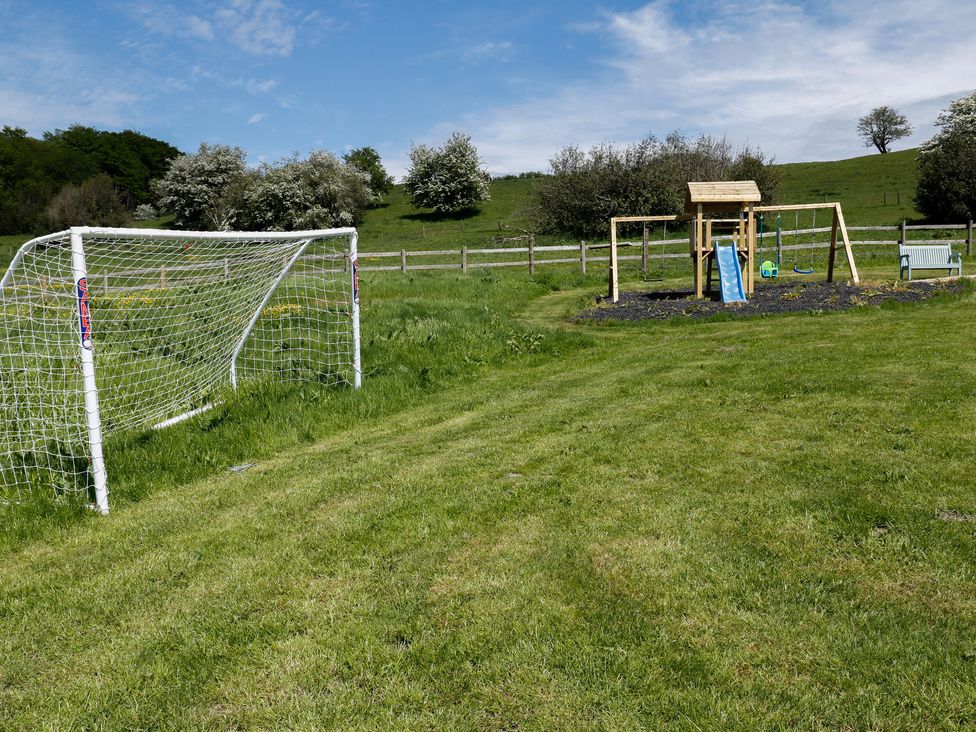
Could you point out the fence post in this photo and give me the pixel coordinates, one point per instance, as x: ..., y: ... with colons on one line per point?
x: 403, y: 261
x: 898, y: 194
x: 644, y: 251
x: 904, y: 240
x: 884, y: 198
x: 969, y: 238
x: 582, y: 257
x: 531, y: 254
x: 162, y: 278
x: 464, y: 259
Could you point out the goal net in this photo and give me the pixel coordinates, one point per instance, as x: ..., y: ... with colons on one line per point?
x: 108, y: 330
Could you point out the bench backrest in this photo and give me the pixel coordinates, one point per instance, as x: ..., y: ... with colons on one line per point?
x: 934, y: 256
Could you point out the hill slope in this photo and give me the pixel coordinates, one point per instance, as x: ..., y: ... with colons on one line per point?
x: 873, y: 189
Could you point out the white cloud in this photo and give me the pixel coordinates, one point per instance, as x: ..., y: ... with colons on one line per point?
x: 491, y: 50
x: 256, y: 117
x: 790, y: 79
x: 55, y: 99
x: 264, y: 27
x: 167, y: 20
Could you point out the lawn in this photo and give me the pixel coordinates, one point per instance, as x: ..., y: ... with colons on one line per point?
x: 526, y: 522
x: 521, y: 523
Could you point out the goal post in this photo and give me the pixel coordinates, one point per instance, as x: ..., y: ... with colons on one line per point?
x: 103, y: 331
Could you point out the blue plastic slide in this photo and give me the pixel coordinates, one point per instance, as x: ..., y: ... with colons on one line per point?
x: 729, y: 273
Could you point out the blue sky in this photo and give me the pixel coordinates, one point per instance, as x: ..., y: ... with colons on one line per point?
x: 522, y: 78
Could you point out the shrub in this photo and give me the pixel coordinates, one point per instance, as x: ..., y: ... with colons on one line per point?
x: 587, y: 189
x: 93, y: 202
x: 145, y: 212
x: 320, y: 192
x: 447, y: 179
x: 947, y: 165
x: 203, y: 191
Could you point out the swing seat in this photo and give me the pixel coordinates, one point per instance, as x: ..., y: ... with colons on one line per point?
x: 768, y: 269
x: 797, y: 269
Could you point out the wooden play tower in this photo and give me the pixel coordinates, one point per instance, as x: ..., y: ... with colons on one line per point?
x: 727, y: 210
x: 723, y: 208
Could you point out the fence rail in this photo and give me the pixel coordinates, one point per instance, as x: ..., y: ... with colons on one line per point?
x: 584, y: 257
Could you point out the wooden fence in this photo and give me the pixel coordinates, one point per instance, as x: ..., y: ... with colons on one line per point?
x: 532, y: 256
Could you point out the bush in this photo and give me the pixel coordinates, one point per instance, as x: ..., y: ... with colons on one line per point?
x: 318, y: 193
x: 585, y: 190
x: 447, y: 179
x: 947, y: 165
x: 214, y: 190
x: 145, y: 212
x: 203, y: 191
x: 94, y: 202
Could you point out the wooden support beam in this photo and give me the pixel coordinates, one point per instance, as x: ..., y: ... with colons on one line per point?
x: 614, y: 287
x: 847, y: 243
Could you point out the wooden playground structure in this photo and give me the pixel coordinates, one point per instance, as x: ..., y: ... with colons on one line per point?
x: 727, y: 210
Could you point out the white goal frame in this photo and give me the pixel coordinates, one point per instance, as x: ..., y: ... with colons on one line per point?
x: 79, y: 279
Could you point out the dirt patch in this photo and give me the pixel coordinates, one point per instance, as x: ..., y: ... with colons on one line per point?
x: 792, y: 297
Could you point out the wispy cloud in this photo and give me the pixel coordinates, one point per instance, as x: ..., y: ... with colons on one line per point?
x: 256, y: 117
x: 167, y: 20
x: 788, y: 78
x: 488, y: 51
x: 264, y: 27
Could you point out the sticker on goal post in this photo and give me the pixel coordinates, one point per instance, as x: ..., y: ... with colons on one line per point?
x: 355, y: 281
x: 84, y: 314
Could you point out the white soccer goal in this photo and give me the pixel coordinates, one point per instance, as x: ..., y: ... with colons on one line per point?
x: 108, y: 330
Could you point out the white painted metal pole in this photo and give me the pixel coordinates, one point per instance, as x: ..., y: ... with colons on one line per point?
x: 79, y: 271
x: 357, y: 365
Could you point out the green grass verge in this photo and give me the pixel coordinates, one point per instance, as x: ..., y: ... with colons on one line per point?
x: 521, y: 524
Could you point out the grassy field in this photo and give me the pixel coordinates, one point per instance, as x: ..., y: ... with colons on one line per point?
x: 860, y: 184
x: 524, y: 524
x: 874, y: 189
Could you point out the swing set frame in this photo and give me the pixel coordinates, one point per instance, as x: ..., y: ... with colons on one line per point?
x: 708, y: 208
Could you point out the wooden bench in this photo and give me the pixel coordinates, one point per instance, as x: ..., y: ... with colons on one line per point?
x: 928, y: 256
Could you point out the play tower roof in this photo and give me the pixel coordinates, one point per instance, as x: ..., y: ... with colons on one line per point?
x: 721, y: 195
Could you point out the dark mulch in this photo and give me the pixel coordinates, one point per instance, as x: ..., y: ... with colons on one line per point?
x: 792, y: 297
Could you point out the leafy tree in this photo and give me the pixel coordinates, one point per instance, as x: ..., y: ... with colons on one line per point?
x: 368, y: 161
x: 320, y: 192
x: 204, y: 190
x: 947, y: 165
x: 449, y: 178
x: 882, y: 126
x: 214, y: 189
x: 94, y: 202
x: 587, y: 189
x: 33, y: 170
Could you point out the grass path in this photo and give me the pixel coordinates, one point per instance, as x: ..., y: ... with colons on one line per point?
x: 707, y: 526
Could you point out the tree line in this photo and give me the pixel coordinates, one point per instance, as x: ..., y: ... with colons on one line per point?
x: 43, y: 180
x: 82, y: 176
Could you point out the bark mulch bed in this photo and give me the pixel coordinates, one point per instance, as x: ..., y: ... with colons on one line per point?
x: 791, y: 297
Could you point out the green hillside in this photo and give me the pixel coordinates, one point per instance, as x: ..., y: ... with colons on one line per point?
x: 873, y: 189
x: 869, y: 189
x: 861, y: 184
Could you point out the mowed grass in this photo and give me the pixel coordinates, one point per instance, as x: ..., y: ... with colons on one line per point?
x: 719, y: 525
